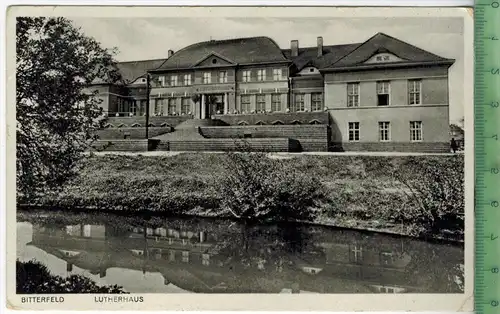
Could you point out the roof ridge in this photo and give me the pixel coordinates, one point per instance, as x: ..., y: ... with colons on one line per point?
x: 347, y: 54
x: 145, y: 60
x: 407, y: 43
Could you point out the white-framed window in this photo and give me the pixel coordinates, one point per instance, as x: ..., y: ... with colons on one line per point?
x: 133, y: 107
x: 185, y: 256
x: 173, y: 80
x: 415, y: 131
x: 384, y: 131
x: 222, y: 77
x: 245, y: 103
x: 186, y: 105
x: 353, y: 95
x: 207, y: 78
x: 261, y: 75
x: 353, y: 131
x: 172, y: 106
x: 275, y: 102
x: 260, y: 105
x: 277, y: 74
x: 161, y: 81
x: 316, y: 101
x: 298, y: 104
x: 187, y: 79
x: 205, y: 259
x: 356, y: 254
x: 383, y: 93
x: 246, y: 76
x: 159, y: 106
x: 414, y: 92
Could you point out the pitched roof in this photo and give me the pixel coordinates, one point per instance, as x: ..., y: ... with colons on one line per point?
x: 132, y: 70
x: 240, y: 50
x: 308, y: 56
x: 381, y: 42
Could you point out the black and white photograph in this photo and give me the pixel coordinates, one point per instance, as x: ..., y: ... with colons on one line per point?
x: 267, y: 153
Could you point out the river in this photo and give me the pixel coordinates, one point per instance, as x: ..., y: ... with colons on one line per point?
x: 179, y: 255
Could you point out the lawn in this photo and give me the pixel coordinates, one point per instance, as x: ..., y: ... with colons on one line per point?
x: 411, y: 195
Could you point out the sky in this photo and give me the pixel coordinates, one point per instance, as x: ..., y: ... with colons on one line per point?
x: 151, y: 38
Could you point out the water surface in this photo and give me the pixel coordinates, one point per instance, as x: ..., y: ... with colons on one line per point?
x: 171, y: 255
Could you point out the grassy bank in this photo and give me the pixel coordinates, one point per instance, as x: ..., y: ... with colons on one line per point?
x: 411, y: 195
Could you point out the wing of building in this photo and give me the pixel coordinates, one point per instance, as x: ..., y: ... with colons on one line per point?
x: 379, y: 95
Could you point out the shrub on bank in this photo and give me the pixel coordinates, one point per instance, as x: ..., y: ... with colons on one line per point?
x: 34, y: 277
x: 255, y: 188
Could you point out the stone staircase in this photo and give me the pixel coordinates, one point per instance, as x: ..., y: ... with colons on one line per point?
x: 189, y: 130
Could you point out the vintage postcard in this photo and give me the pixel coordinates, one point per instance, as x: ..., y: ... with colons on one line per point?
x: 240, y: 158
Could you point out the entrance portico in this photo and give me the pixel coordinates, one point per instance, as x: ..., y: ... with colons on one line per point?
x: 211, y: 104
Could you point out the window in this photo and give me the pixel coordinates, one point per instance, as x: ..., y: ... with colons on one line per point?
x: 383, y: 93
x: 171, y: 255
x: 172, y: 106
x: 159, y: 107
x: 414, y: 88
x: 186, y: 106
x: 298, y: 105
x: 353, y: 131
x: 245, y: 103
x: 207, y: 78
x: 356, y: 254
x: 161, y: 81
x: 173, y: 80
x: 316, y: 101
x: 261, y: 75
x: 205, y: 259
x: 185, y: 256
x: 276, y: 102
x: 353, y: 95
x: 415, y: 131
x: 133, y: 108
x: 379, y: 58
x: 384, y: 133
x: 261, y: 103
x: 386, y: 258
x: 223, y: 77
x: 246, y: 76
x: 277, y: 74
x: 187, y: 79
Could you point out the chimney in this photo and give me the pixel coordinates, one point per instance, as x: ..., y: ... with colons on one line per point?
x: 320, y: 46
x: 294, y: 46
x: 170, y: 53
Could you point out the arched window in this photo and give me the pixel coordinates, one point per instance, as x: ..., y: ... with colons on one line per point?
x: 242, y: 123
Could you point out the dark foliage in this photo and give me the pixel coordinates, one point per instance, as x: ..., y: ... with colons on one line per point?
x: 34, y: 277
x: 56, y: 114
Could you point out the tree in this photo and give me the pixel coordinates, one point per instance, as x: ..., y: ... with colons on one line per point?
x: 56, y: 114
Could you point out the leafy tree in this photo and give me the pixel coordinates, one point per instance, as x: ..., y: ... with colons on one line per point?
x: 56, y: 113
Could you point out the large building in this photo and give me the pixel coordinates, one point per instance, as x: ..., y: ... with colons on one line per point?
x: 379, y: 95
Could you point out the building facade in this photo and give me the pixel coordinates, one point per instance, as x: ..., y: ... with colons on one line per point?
x: 382, y: 94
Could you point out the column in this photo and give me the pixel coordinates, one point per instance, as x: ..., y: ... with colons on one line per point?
x: 203, y: 111
x: 225, y: 103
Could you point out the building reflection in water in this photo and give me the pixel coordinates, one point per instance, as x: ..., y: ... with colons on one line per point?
x: 212, y: 257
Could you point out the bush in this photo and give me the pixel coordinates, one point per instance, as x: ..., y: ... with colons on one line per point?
x: 436, y: 188
x: 255, y: 188
x: 34, y: 277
